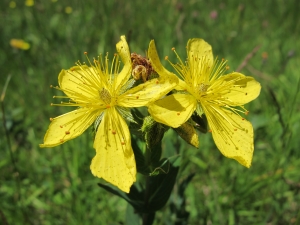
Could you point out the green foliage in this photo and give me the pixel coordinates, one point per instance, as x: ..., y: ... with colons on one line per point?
x: 55, y: 186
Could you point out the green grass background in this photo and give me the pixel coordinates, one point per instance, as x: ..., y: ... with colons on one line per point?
x: 55, y: 186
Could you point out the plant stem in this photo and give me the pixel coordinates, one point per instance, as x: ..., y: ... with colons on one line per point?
x: 15, y: 168
x: 148, y: 218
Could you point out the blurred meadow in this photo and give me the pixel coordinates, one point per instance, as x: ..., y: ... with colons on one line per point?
x: 55, y: 185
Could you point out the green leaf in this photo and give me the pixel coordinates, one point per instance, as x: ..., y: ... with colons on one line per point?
x: 155, y: 195
x: 140, y: 160
x: 161, y: 187
x: 132, y: 217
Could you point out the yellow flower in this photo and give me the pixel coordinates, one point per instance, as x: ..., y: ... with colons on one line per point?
x: 20, y: 44
x: 29, y: 3
x: 101, y: 94
x: 68, y: 10
x: 205, y: 89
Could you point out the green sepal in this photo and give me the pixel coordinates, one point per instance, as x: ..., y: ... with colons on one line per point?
x: 153, y: 131
x: 188, y: 133
x: 201, y: 123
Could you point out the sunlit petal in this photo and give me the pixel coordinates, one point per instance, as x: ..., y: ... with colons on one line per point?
x: 148, y: 92
x: 123, y: 50
x: 201, y: 49
x: 80, y: 83
x: 232, y: 134
x: 242, y: 91
x: 69, y: 126
x: 114, y: 160
x: 155, y: 62
x: 173, y: 110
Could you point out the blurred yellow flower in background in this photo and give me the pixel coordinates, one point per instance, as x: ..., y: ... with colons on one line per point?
x: 12, y: 4
x: 29, y: 3
x: 20, y: 44
x: 68, y: 10
x: 205, y: 89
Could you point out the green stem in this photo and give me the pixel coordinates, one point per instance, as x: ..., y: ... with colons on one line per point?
x: 12, y: 158
x: 148, y: 218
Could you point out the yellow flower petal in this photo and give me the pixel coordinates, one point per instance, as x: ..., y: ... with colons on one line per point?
x: 182, y: 86
x: 232, y: 134
x: 20, y: 44
x: 123, y: 50
x: 147, y: 92
x: 173, y: 110
x: 242, y: 91
x: 80, y: 83
x: 155, y: 62
x: 199, y: 48
x: 68, y: 126
x: 114, y: 160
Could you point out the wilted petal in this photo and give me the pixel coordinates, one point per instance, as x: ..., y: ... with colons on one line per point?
x: 187, y: 132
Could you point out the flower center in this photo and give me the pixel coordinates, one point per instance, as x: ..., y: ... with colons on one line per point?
x: 105, y: 96
x: 203, y: 87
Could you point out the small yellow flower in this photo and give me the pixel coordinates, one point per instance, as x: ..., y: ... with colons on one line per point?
x: 205, y: 89
x: 19, y: 43
x: 29, y: 3
x: 12, y: 4
x: 101, y: 94
x: 68, y: 10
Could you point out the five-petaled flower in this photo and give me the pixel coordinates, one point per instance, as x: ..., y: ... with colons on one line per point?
x: 205, y: 89
x: 103, y: 96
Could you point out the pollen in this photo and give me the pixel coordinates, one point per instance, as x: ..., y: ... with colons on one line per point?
x: 85, y: 53
x: 203, y: 87
x: 166, y: 57
x: 105, y: 96
x: 247, y: 113
x: 51, y: 119
x: 173, y: 49
x: 178, y: 114
x: 67, y: 132
x: 113, y: 132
